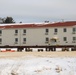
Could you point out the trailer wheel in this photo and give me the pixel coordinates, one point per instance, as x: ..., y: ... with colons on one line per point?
x: 63, y: 49
x: 54, y: 50
x: 67, y: 50
x: 72, y: 49
x: 42, y: 50
x: 47, y: 49
x: 17, y: 49
x: 38, y: 50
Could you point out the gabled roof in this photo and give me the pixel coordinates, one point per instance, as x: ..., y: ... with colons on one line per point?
x: 58, y: 24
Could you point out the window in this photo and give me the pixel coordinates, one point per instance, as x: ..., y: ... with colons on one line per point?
x: 74, y: 38
x: 64, y: 30
x: 16, y: 40
x: 24, y: 31
x: 74, y: 29
x: 0, y: 32
x: 24, y: 39
x: 47, y: 30
x: 0, y: 40
x: 65, y: 38
x: 56, y: 30
x: 16, y: 31
x: 47, y: 40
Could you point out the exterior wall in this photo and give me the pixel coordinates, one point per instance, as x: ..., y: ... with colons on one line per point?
x: 8, y: 37
x: 37, y: 36
x: 34, y: 36
x: 60, y: 34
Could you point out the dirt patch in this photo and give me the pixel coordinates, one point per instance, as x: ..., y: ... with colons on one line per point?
x: 38, y: 54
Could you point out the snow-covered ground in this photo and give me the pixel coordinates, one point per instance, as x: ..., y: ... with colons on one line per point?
x: 32, y: 65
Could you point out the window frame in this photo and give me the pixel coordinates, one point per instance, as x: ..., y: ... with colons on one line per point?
x: 0, y: 32
x: 24, y: 39
x: 65, y: 30
x: 55, y: 30
x: 16, y: 31
x: 64, y: 38
x: 74, y: 38
x: 24, y: 31
x: 47, y: 30
x: 16, y: 39
x: 0, y: 40
x: 74, y: 29
x: 46, y: 40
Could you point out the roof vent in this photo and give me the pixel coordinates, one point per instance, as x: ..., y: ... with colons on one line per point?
x: 46, y: 21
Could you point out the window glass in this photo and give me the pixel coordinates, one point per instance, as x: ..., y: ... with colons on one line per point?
x: 55, y: 30
x: 16, y: 31
x: 24, y: 39
x: 24, y: 31
x: 0, y: 40
x: 65, y: 30
x: 47, y: 39
x: 65, y: 38
x: 16, y: 39
x: 74, y: 29
x: 47, y: 30
x: 0, y: 31
x: 74, y: 38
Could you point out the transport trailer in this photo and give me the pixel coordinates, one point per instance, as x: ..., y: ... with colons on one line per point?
x: 47, y: 48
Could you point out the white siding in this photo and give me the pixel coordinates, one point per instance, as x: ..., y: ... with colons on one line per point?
x: 8, y: 37
x: 33, y: 36
x: 37, y: 36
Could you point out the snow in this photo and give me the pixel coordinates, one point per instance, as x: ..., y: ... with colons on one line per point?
x: 32, y: 65
x: 39, y: 23
x: 9, y: 24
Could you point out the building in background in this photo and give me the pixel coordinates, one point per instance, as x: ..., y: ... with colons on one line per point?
x: 42, y: 34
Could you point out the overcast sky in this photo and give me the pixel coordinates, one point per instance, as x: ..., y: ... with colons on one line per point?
x: 38, y: 10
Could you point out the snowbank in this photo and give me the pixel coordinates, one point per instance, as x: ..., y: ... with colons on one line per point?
x: 31, y: 65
